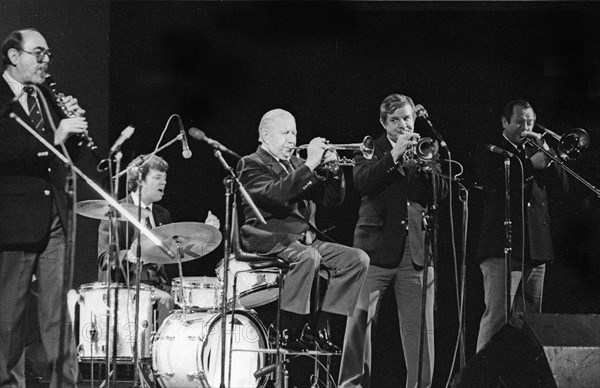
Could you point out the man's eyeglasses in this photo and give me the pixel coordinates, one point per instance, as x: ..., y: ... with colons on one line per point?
x: 40, y: 55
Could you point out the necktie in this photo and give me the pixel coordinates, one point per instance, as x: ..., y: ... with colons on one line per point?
x: 287, y: 166
x: 148, y: 221
x: 34, y: 110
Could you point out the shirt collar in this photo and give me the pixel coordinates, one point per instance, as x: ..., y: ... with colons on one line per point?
x: 135, y: 196
x: 517, y: 147
x: 15, y: 86
x: 393, y: 143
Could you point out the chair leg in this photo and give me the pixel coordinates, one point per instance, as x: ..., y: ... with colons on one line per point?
x: 280, y: 372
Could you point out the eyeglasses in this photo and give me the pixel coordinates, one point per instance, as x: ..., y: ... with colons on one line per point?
x: 40, y: 55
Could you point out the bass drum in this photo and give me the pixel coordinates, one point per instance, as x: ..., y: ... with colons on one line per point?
x: 186, y: 350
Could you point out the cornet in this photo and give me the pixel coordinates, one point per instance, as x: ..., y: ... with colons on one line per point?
x: 425, y: 150
x: 367, y: 148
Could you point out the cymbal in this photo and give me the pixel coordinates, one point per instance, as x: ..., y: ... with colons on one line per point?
x: 194, y: 238
x: 99, y: 209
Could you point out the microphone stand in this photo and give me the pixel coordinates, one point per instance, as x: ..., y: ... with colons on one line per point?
x: 228, y: 183
x: 114, y: 225
x: 430, y: 236
x: 144, y: 158
x: 507, y: 237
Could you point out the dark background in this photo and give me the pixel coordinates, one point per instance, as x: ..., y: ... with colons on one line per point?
x: 221, y: 65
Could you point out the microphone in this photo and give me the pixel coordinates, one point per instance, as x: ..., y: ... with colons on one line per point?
x: 200, y: 135
x: 186, y: 153
x: 499, y: 151
x: 126, y: 134
x: 422, y: 113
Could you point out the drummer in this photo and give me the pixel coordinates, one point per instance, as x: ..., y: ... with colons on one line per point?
x: 153, y: 182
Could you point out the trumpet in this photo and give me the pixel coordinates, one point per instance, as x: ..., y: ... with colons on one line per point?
x: 367, y: 147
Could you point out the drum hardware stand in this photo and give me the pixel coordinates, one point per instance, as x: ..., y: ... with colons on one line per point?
x: 228, y: 183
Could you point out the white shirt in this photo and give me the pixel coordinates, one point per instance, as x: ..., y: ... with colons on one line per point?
x: 135, y: 196
x: 16, y: 88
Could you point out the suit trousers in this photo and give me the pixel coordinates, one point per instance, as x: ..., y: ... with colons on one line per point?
x: 494, y: 287
x: 407, y: 280
x: 347, y: 265
x: 16, y: 272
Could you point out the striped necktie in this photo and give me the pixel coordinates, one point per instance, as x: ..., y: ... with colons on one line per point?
x: 287, y: 165
x: 148, y: 221
x: 34, y: 110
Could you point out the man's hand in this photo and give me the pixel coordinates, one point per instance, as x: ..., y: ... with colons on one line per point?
x: 212, y: 220
x: 71, y: 105
x: 164, y: 298
x: 539, y: 160
x: 404, y: 141
x: 67, y: 127
x: 315, y: 151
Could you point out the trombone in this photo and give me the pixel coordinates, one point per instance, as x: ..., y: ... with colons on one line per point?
x: 570, y: 146
x: 367, y: 147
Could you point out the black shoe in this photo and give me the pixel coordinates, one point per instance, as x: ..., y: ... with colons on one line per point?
x: 320, y: 338
x: 288, y: 340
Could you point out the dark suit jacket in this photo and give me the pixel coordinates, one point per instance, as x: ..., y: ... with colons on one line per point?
x: 490, y: 171
x: 152, y: 274
x: 287, y: 202
x: 392, y: 197
x: 30, y: 176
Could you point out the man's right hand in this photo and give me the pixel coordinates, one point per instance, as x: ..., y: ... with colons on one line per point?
x: 404, y: 141
x: 315, y: 151
x: 67, y: 127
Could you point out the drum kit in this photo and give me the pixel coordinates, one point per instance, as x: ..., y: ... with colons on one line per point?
x: 185, y: 351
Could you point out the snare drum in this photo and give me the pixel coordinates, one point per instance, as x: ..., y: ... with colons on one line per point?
x: 197, y: 293
x: 253, y: 288
x: 92, y: 322
x: 187, y: 353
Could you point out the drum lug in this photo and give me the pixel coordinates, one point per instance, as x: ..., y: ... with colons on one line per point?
x: 200, y: 376
x: 160, y: 374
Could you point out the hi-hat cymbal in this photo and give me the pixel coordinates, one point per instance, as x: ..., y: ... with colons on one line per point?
x: 100, y: 209
x: 195, y: 240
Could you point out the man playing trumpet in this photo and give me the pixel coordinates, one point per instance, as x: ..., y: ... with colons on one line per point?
x: 285, y: 189
x: 391, y: 229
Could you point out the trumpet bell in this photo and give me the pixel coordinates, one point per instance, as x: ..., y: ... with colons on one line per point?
x: 426, y: 149
x: 572, y: 144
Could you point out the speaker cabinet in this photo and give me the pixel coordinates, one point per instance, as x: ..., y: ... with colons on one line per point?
x: 538, y: 350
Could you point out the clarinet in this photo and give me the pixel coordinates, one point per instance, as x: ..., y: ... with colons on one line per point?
x: 84, y: 137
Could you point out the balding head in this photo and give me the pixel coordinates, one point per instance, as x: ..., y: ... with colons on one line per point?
x: 273, y: 119
x: 277, y: 132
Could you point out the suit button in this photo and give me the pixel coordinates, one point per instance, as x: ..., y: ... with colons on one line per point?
x: 403, y: 222
x: 46, y: 192
x: 49, y: 169
x: 528, y: 204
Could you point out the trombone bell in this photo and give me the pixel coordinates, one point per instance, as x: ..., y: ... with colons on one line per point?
x: 571, y: 144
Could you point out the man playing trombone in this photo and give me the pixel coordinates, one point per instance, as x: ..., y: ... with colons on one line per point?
x: 391, y: 228
x: 285, y: 189
x: 527, y: 272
